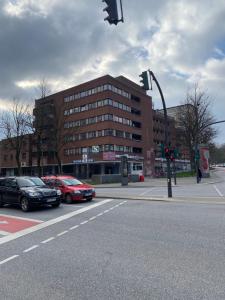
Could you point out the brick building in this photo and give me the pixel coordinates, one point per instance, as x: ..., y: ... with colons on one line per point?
x: 87, y: 128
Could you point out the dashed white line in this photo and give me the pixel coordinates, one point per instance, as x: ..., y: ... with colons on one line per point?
x: 51, y: 222
x: 62, y: 233
x: 30, y: 249
x: 48, y: 240
x: 99, y: 215
x: 84, y: 222
x: 8, y: 259
x: 92, y: 218
x: 105, y: 211
x: 74, y: 227
x: 218, y: 191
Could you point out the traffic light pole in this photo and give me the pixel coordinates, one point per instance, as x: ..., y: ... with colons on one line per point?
x: 169, y: 185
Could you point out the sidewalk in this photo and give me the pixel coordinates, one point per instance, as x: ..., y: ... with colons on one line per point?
x: 162, y: 182
x: 105, y: 190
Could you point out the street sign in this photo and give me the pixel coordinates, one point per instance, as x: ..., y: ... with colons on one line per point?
x: 95, y: 149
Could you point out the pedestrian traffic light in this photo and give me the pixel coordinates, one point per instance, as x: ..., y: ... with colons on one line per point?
x: 112, y: 11
x: 144, y: 80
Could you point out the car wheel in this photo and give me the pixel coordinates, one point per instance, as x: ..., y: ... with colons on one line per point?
x: 68, y: 199
x: 56, y: 205
x: 24, y: 204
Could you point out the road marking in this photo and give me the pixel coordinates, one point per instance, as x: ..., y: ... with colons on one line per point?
x: 218, y: 191
x: 92, y: 218
x: 48, y: 240
x: 84, y: 222
x: 105, y: 211
x: 62, y: 233
x: 30, y: 249
x: 26, y: 231
x: 20, y: 218
x: 4, y: 232
x: 74, y: 227
x: 147, y: 191
x: 8, y: 259
x: 99, y: 215
x: 4, y: 222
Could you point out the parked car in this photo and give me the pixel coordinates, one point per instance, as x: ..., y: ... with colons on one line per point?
x: 27, y: 192
x: 72, y: 189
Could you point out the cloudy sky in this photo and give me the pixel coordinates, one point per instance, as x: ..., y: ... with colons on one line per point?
x: 68, y: 42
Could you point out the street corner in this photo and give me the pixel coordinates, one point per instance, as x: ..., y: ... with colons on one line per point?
x: 11, y: 224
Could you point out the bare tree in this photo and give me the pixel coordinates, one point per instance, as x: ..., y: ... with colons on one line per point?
x: 195, y: 118
x: 15, y: 126
x: 39, y: 123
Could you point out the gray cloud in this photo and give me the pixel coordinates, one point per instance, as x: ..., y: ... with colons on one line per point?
x: 69, y: 43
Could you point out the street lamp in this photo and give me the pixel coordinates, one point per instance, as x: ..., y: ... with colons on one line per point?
x: 146, y: 87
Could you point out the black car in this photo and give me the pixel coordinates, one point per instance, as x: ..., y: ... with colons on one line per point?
x: 27, y: 192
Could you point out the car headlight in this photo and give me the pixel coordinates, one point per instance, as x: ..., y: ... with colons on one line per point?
x: 33, y: 194
x: 77, y: 192
x: 58, y: 192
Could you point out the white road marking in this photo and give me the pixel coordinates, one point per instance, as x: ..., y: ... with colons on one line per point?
x: 29, y: 230
x: 147, y: 191
x: 84, y: 222
x: 74, y: 227
x: 4, y: 232
x: 30, y: 249
x: 62, y: 233
x: 8, y: 259
x: 4, y: 222
x: 20, y: 218
x: 105, y: 211
x: 218, y: 191
x: 99, y: 215
x: 92, y: 218
x: 48, y: 240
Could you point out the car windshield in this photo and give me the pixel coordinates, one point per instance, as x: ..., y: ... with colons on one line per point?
x: 71, y: 181
x: 32, y: 181
x: 37, y: 181
x: 24, y: 182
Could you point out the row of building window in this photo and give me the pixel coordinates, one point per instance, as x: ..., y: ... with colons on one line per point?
x: 97, y: 104
x: 101, y: 133
x: 102, y: 118
x: 99, y: 89
x: 103, y: 148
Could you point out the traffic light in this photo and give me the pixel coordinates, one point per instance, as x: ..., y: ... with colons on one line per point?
x: 112, y: 11
x: 162, y: 148
x: 167, y: 153
x: 144, y: 80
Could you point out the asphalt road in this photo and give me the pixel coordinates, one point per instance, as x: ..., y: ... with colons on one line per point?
x: 119, y: 250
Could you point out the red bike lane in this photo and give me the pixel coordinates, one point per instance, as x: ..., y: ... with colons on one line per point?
x: 11, y: 224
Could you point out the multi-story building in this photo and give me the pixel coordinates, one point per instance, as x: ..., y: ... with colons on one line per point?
x: 87, y: 128
x: 98, y: 121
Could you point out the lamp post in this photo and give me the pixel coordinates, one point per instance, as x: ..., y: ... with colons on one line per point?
x: 169, y: 185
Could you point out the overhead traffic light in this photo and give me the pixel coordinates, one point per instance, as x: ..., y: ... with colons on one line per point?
x: 144, y: 80
x: 112, y: 11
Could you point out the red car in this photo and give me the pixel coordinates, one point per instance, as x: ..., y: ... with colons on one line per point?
x: 72, y: 189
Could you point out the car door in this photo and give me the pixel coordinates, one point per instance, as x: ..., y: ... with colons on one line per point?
x: 12, y: 191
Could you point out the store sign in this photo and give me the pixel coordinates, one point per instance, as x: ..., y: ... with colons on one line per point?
x: 109, y: 155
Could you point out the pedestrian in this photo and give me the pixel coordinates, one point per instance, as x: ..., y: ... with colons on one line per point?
x: 199, y: 174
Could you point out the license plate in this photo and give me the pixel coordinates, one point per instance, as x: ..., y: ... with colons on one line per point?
x: 51, y: 200
x: 88, y: 194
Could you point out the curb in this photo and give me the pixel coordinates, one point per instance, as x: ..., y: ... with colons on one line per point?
x: 172, y: 200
